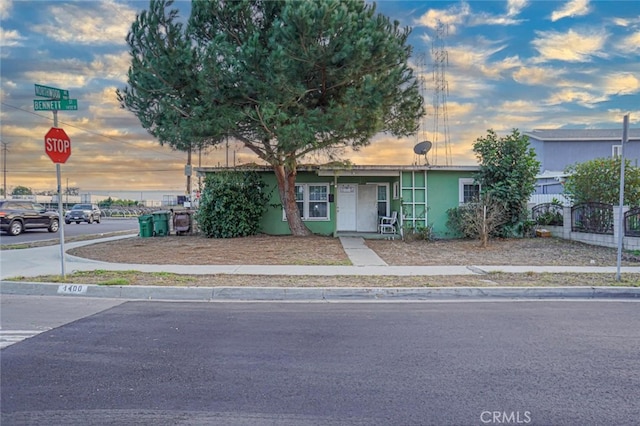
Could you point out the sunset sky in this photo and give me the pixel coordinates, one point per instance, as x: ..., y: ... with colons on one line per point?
x: 511, y: 64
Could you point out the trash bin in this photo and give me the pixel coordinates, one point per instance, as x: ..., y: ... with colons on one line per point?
x: 182, y: 222
x: 161, y: 223
x: 146, y: 225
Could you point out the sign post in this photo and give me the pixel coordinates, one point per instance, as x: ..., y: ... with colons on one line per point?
x: 57, y: 144
x: 625, y: 139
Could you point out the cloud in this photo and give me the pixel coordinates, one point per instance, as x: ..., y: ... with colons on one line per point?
x: 570, y: 95
x: 631, y: 43
x: 10, y: 38
x: 5, y: 8
x: 514, y: 7
x: 452, y: 17
x: 572, y: 46
x: 621, y: 84
x: 571, y: 9
x: 108, y: 23
x: 536, y: 76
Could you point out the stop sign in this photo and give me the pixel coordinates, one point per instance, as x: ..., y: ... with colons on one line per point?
x: 57, y: 145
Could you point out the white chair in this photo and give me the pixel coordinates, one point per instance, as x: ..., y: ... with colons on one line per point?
x: 387, y: 224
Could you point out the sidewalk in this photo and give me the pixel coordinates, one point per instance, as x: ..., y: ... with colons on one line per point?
x: 46, y: 261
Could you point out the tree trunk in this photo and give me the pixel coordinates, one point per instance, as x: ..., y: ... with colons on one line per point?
x: 287, y: 189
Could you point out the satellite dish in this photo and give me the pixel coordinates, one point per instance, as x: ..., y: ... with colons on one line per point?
x: 422, y: 148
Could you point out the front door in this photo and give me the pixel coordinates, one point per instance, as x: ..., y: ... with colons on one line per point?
x: 346, y: 207
x: 367, y: 217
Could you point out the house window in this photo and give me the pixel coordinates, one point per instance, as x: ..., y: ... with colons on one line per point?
x: 312, y: 201
x: 616, y: 151
x: 468, y: 190
x: 383, y: 200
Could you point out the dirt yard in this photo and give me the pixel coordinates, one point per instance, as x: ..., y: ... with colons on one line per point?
x: 316, y: 250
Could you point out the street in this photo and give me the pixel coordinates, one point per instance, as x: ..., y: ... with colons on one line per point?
x: 73, y: 230
x: 446, y: 363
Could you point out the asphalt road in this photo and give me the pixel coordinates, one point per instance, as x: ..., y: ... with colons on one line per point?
x: 73, y: 230
x: 536, y: 362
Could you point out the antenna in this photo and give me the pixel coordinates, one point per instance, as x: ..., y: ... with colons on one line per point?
x: 441, y: 90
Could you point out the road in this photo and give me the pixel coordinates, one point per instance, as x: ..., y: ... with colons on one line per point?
x: 73, y: 230
x: 454, y: 363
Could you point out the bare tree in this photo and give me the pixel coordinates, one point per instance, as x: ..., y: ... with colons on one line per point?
x: 483, y: 218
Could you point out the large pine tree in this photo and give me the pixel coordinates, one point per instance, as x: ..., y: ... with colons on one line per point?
x: 286, y: 78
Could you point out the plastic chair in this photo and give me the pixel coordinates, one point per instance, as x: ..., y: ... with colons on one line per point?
x: 387, y: 224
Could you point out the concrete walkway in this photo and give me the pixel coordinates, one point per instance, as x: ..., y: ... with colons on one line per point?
x: 46, y: 261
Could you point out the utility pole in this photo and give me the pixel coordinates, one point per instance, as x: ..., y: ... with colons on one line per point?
x: 5, y: 150
x: 625, y: 139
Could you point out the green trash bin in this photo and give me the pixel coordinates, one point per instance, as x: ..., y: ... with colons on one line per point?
x: 146, y: 225
x: 161, y: 223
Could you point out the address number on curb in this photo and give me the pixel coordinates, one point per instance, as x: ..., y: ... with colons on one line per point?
x: 72, y: 289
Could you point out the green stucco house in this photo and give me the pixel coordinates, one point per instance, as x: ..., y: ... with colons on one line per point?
x: 345, y: 200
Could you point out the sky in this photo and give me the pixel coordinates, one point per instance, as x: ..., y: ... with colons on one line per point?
x: 517, y: 64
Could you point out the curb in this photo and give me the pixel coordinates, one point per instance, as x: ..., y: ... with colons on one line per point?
x: 327, y: 294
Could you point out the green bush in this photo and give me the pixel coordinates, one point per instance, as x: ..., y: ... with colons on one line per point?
x: 232, y: 205
x: 419, y: 233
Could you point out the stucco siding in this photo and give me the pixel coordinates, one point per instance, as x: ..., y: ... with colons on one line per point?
x: 442, y: 195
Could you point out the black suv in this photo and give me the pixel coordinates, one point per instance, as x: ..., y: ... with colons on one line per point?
x: 18, y: 215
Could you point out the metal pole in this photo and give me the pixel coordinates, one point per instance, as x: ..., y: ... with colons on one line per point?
x: 5, y: 149
x: 60, y: 209
x: 625, y: 139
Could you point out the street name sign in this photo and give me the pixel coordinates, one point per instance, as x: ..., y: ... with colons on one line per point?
x: 51, y: 92
x: 57, y: 145
x: 56, y: 105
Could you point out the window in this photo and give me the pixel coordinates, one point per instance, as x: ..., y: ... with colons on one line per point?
x: 383, y: 205
x: 616, y: 151
x: 312, y: 201
x: 468, y: 190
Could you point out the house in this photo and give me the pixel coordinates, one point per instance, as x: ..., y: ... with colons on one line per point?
x: 559, y: 148
x: 353, y: 199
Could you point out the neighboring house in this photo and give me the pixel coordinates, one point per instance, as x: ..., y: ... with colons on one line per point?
x: 341, y: 200
x: 559, y: 148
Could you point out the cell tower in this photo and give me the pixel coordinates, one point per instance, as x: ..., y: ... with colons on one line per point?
x: 440, y: 56
x: 420, y: 154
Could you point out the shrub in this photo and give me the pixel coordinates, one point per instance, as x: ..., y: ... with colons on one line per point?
x: 232, y: 205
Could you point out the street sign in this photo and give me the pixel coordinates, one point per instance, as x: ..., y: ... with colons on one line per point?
x: 56, y: 105
x: 51, y: 92
x: 57, y: 145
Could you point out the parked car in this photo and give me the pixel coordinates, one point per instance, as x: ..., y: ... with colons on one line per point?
x: 19, y: 215
x: 83, y: 213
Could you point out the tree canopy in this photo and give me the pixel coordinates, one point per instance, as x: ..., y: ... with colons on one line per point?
x: 508, y: 169
x: 598, y: 181
x: 21, y: 190
x: 285, y: 78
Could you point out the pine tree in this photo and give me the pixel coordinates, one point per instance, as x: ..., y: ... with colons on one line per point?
x: 286, y: 78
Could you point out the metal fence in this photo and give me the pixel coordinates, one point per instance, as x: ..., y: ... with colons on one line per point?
x: 632, y: 223
x: 548, y: 214
x: 595, y: 218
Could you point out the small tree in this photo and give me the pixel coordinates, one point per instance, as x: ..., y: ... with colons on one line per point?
x: 21, y: 190
x: 479, y: 219
x: 598, y: 181
x: 508, y: 169
x: 231, y: 205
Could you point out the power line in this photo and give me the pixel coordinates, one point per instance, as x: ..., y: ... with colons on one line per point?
x: 90, y: 131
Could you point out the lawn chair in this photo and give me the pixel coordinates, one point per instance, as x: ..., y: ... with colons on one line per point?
x: 387, y: 224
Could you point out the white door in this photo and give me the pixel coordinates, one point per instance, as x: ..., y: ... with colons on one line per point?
x: 346, y: 207
x: 367, y: 218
